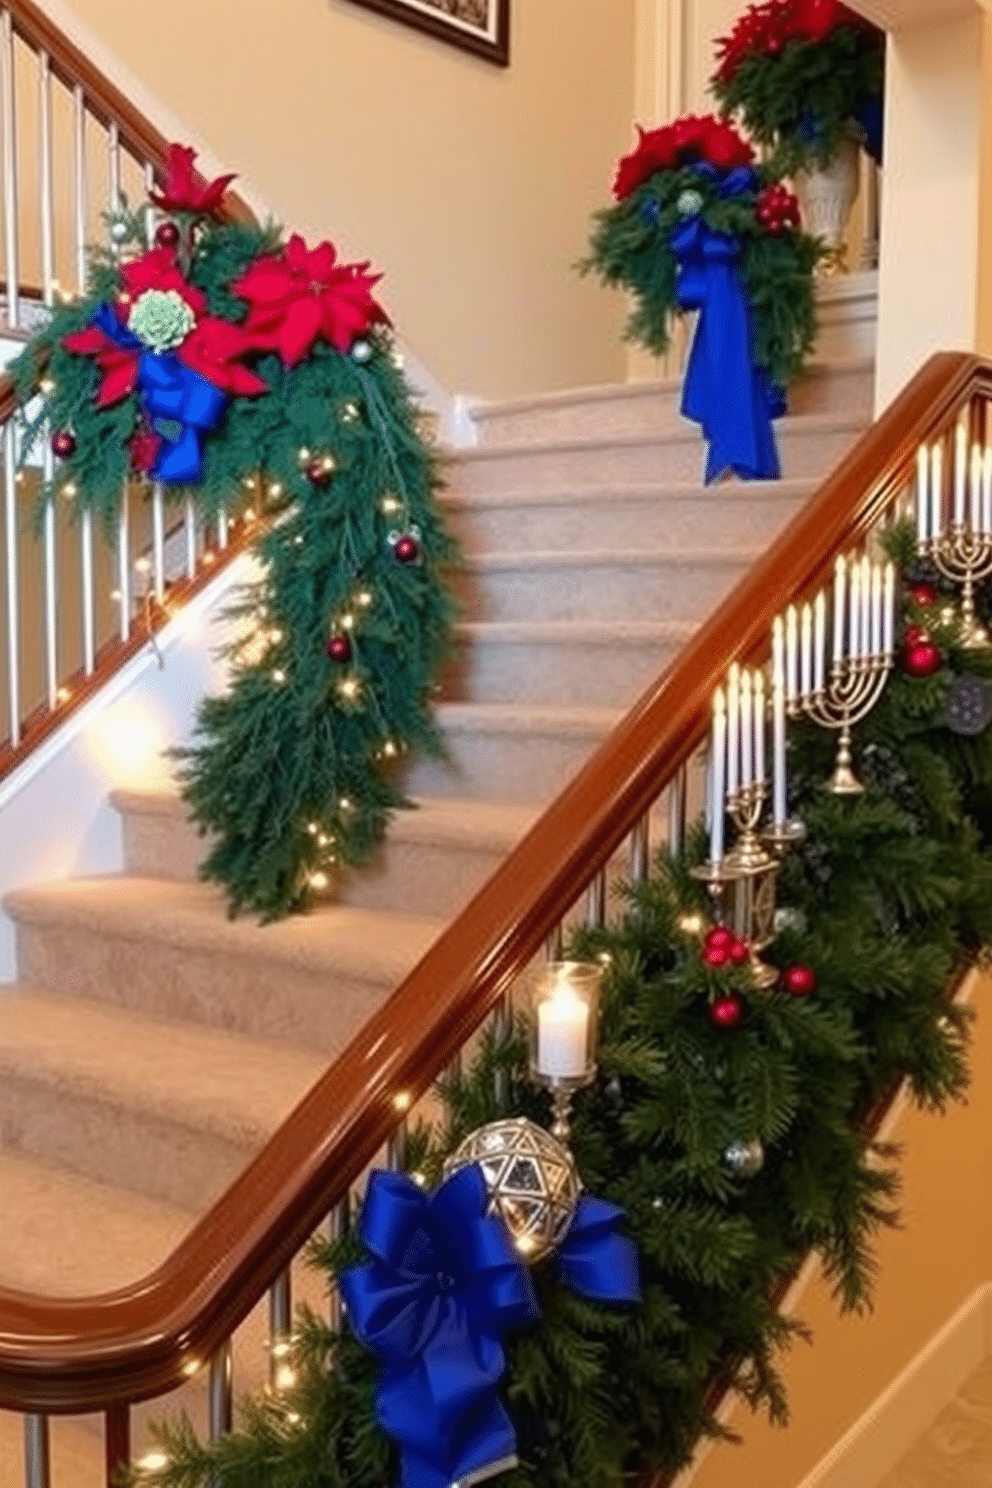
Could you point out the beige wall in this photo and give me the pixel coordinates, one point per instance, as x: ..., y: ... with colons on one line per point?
x: 928, y: 1268
x: 471, y: 186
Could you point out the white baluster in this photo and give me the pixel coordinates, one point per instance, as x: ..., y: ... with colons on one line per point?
x: 13, y: 584
x: 10, y: 193
x: 79, y: 181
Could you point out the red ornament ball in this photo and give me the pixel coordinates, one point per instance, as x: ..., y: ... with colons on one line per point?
x: 738, y: 951
x: 715, y: 956
x: 407, y: 549
x: 914, y: 635
x: 719, y: 935
x: 922, y: 660
x: 167, y: 235
x: 923, y: 595
x: 319, y: 471
x: 339, y: 648
x: 799, y: 980
x: 726, y: 1011
x: 63, y: 444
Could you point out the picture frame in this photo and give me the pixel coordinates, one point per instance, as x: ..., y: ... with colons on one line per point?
x: 478, y: 26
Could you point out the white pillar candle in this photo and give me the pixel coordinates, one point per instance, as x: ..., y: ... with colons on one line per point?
x: 562, y: 1034
x: 718, y: 764
x: 819, y: 640
x: 840, y: 585
x: 865, y: 628
x: 791, y: 655
x: 922, y: 494
x: 733, y: 728
x: 778, y: 723
x: 759, y: 727
x: 854, y: 630
x: 747, y: 730
x: 975, y: 488
x: 876, y: 609
x: 987, y: 490
x: 936, y: 490
x: 806, y: 651
x: 960, y: 471
x: 889, y: 611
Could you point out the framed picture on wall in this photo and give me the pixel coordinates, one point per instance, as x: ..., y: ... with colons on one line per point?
x: 479, y: 26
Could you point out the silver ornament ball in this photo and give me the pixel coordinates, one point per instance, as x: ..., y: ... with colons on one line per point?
x: 119, y: 232
x: 361, y: 350
x: 745, y: 1159
x: 531, y: 1178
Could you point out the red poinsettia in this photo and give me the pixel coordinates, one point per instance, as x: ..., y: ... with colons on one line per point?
x: 687, y: 139
x: 157, y: 269
x: 118, y: 364
x: 764, y: 30
x: 185, y: 189
x: 300, y: 294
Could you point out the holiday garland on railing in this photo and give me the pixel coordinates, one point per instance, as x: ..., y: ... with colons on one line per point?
x: 727, y: 1122
x: 231, y: 365
x: 697, y: 225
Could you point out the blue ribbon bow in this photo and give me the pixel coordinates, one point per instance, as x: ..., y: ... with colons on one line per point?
x: 444, y: 1286
x: 723, y: 390
x: 170, y: 390
x: 594, y: 1260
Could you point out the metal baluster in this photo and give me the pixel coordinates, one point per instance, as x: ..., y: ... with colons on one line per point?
x: 676, y: 810
x: 640, y: 850
x: 79, y: 158
x: 124, y: 564
x: 219, y: 1392
x: 45, y: 186
x: 10, y: 203
x: 13, y: 616
x: 502, y: 1017
x: 190, y: 538
x: 396, y: 1148
x: 114, y: 167
x: 280, y: 1328
x: 337, y: 1228
x: 222, y: 528
x: 158, y: 540
x: 149, y: 209
x: 553, y: 944
x: 37, y: 1457
x: 50, y: 561
x: 596, y: 901
x: 88, y: 597
x: 117, y: 1442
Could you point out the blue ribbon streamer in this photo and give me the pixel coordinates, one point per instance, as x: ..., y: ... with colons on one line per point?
x: 723, y: 390
x: 594, y: 1260
x: 444, y: 1286
x: 170, y: 390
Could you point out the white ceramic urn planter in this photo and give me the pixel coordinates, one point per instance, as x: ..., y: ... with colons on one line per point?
x: 826, y: 196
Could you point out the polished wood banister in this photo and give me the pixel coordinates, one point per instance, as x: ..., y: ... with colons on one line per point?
x: 79, y: 1354
x: 105, y: 100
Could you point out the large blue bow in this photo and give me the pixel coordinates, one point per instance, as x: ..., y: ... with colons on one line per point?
x: 594, y: 1259
x: 169, y: 390
x: 723, y: 391
x: 443, y: 1288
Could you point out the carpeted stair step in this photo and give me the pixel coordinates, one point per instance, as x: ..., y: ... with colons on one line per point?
x: 167, y: 1110
x: 646, y: 407
x: 509, y: 752
x: 650, y: 514
x: 566, y: 586
x: 809, y: 446
x: 435, y: 857
x: 604, y: 664
x: 168, y: 949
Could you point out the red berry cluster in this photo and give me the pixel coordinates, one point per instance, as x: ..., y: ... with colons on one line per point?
x: 777, y: 209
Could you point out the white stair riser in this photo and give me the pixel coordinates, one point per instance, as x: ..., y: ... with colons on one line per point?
x: 92, y: 1133
x: 642, y: 588
x: 495, y: 765
x: 254, y: 995
x: 730, y: 516
x: 804, y: 454
x: 654, y: 408
x: 572, y: 673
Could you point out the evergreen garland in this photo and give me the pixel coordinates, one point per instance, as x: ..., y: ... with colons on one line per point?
x: 293, y: 768
x: 887, y: 899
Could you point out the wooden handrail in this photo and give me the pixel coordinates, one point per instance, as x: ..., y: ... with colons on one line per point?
x: 82, y: 1354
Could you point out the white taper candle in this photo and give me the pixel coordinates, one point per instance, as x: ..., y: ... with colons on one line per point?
x: 733, y: 727
x: 718, y: 764
x: 806, y: 651
x: 759, y: 727
x: 936, y: 490
x: 865, y: 631
x: 876, y: 609
x: 747, y: 730
x: 819, y: 639
x: 922, y: 494
x: 854, y: 629
x: 960, y: 470
x: 778, y: 723
x: 987, y: 490
x: 975, y: 488
x: 791, y: 654
x: 889, y: 610
x: 840, y: 585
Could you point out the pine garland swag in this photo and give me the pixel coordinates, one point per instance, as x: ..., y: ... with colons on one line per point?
x: 889, y: 896
x: 293, y: 770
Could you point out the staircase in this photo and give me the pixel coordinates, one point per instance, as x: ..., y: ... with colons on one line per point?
x: 150, y: 1045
